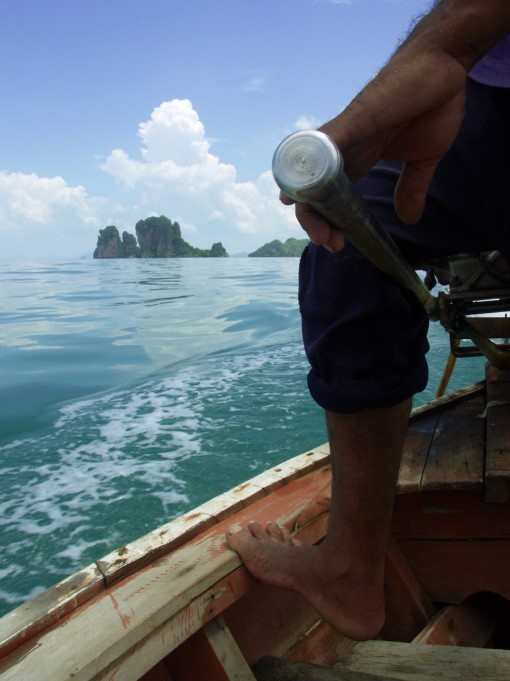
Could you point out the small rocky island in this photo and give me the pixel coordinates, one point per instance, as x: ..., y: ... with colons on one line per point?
x: 156, y: 237
x: 292, y: 248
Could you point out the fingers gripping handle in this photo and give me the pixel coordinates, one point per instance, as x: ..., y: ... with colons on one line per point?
x: 308, y: 167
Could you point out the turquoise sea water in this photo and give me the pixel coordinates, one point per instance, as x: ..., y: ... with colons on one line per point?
x: 134, y: 390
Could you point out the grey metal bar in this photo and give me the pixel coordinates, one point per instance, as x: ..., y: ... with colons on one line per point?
x: 308, y: 167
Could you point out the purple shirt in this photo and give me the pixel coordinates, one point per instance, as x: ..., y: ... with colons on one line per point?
x: 494, y: 68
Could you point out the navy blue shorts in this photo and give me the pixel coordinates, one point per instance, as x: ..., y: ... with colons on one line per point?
x: 365, y: 337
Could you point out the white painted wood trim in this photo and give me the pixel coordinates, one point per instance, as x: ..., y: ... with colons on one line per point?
x: 451, y: 398
x: 227, y: 651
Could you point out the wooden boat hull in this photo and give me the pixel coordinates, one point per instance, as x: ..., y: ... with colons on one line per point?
x: 178, y: 604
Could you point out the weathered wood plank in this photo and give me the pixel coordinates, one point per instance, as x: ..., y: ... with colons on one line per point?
x: 448, y: 400
x: 410, y: 662
x: 408, y: 607
x: 458, y: 625
x: 127, y: 559
x: 45, y: 610
x: 227, y: 651
x: 292, y: 468
x: 276, y: 669
x: 296, y: 516
x: 319, y: 506
x: 451, y: 571
x: 497, y: 457
x: 178, y: 629
x: 127, y: 614
x: 416, y: 449
x: 442, y: 515
x: 286, y: 617
x: 456, y: 454
x: 238, y: 497
x: 321, y: 644
x: 195, y: 660
x: 384, y: 661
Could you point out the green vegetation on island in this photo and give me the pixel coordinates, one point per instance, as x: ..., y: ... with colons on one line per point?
x: 156, y: 237
x: 292, y: 248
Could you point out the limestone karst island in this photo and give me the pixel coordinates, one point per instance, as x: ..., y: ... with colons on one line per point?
x: 292, y: 248
x: 156, y: 237
x: 159, y: 237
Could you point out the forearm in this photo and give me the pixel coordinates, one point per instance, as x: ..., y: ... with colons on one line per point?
x: 463, y: 29
x: 413, y: 109
x: 428, y: 69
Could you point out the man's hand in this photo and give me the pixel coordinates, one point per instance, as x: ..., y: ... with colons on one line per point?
x: 412, y: 111
x: 395, y: 127
x: 315, y: 226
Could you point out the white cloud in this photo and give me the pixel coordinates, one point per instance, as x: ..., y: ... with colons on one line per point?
x: 306, y: 122
x: 178, y: 174
x: 45, y: 216
x: 174, y: 131
x: 28, y: 198
x: 174, y: 174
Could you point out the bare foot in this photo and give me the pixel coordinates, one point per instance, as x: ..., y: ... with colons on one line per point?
x: 349, y: 598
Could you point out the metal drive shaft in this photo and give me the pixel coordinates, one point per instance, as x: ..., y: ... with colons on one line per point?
x: 308, y: 167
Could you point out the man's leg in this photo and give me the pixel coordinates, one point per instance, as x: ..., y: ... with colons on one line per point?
x: 366, y: 340
x: 366, y: 449
x: 343, y: 577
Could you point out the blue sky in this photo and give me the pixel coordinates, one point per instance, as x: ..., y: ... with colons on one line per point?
x: 116, y: 110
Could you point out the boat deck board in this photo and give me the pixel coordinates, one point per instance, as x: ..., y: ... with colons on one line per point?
x: 497, y: 469
x: 456, y: 455
x: 416, y: 449
x: 389, y: 661
x: 411, y: 662
x: 445, y: 448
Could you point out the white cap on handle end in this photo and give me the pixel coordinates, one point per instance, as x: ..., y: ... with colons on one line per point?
x: 306, y: 163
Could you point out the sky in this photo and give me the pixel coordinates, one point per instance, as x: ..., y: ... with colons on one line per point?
x: 114, y: 111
